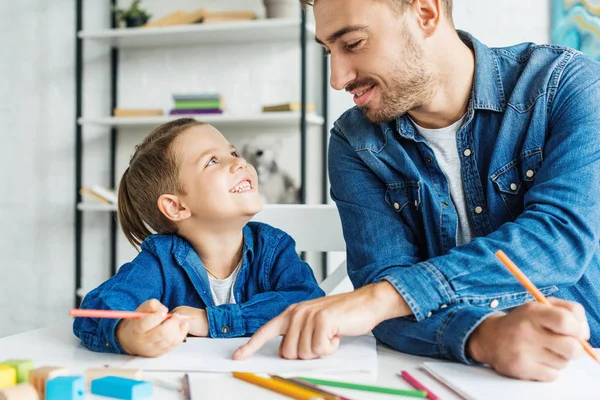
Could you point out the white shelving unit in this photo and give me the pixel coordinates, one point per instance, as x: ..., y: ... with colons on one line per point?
x: 221, y: 32
x: 276, y: 119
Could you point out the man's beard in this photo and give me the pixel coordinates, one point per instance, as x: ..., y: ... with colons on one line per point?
x: 410, y: 85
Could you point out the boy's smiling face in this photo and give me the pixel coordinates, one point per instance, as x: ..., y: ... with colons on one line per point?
x: 219, y: 185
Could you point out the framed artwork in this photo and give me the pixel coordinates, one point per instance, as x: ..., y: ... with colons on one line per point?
x: 576, y: 24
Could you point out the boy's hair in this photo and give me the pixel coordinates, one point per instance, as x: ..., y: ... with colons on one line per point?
x: 153, y: 170
x: 400, y: 5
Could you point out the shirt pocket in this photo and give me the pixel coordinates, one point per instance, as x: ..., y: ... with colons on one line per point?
x: 404, y: 197
x: 514, y: 179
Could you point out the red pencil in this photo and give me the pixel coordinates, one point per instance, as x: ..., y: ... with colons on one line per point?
x: 81, y: 312
x: 417, y: 385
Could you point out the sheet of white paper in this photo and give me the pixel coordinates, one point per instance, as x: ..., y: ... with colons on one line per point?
x: 214, y: 355
x: 577, y: 381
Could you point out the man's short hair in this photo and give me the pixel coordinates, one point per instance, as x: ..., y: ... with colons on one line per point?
x: 400, y: 5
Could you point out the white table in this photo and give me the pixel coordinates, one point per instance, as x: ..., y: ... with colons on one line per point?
x: 57, y: 346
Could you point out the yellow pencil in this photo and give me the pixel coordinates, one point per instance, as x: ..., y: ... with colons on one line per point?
x: 284, y: 388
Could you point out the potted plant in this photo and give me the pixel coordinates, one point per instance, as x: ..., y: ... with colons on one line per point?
x: 133, y: 16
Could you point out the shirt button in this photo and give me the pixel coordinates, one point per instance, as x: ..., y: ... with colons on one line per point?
x: 529, y: 173
x: 396, y: 206
x: 429, y: 314
x: 478, y: 210
x: 444, y: 306
x: 107, y: 345
x: 416, y: 203
x: 225, y: 329
x: 429, y: 159
x: 494, y: 303
x: 513, y: 186
x: 445, y: 204
x: 467, y: 152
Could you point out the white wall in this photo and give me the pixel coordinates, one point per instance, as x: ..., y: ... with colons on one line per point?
x: 37, y: 111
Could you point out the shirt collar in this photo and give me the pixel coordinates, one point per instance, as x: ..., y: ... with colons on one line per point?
x: 487, y: 92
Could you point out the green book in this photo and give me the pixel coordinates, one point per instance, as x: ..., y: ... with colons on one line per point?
x: 197, y: 105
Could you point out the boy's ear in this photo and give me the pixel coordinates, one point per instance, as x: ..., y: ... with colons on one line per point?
x: 172, y: 208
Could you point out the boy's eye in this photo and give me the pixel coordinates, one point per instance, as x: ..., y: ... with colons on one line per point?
x: 235, y: 153
x: 212, y: 161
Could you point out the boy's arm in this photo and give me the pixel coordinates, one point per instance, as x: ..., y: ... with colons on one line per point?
x: 136, y: 282
x: 291, y: 281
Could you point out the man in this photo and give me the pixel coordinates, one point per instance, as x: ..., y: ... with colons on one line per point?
x: 453, y: 152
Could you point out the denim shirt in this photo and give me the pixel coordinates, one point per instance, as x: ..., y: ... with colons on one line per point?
x: 272, y: 277
x: 530, y: 157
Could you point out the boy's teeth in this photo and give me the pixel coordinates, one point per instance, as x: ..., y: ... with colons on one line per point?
x: 242, y: 187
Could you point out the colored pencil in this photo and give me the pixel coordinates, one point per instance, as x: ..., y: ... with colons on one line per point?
x: 326, y: 395
x: 284, y: 388
x: 535, y: 292
x: 81, y: 312
x: 187, y: 393
x: 412, y: 381
x: 366, y: 388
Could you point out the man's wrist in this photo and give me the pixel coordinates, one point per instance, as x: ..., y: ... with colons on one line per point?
x: 387, y: 302
x: 478, y: 342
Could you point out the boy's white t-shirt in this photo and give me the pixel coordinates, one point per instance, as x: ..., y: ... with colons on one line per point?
x: 222, y: 289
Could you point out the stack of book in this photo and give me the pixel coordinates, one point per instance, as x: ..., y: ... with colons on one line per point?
x: 99, y: 194
x: 200, y: 103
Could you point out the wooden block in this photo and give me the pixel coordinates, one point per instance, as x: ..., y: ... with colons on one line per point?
x: 96, y: 373
x: 8, y: 376
x: 122, y: 388
x: 22, y: 367
x: 39, y: 376
x: 24, y: 391
x: 66, y: 388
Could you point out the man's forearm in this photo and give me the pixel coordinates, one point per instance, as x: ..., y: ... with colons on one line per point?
x: 387, y: 302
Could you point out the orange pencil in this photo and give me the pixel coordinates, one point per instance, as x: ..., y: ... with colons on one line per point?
x: 81, y: 312
x: 284, y: 388
x: 535, y: 292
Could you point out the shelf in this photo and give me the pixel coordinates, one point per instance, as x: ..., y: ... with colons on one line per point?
x: 263, y: 120
x: 217, y: 32
x: 96, y: 207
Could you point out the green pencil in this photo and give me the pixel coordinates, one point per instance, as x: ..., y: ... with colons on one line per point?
x: 366, y: 388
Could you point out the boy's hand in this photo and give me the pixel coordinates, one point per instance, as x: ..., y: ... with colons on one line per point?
x: 198, y: 322
x: 152, y: 336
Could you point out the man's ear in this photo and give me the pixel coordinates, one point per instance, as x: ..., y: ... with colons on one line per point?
x: 429, y: 14
x: 172, y: 208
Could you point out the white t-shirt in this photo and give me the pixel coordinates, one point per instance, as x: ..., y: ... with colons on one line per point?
x: 443, y: 143
x: 222, y: 289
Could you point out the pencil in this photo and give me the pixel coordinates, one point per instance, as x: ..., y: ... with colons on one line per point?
x: 417, y: 385
x: 324, y: 393
x: 81, y: 312
x: 535, y: 292
x: 366, y: 388
x: 187, y: 393
x: 286, y: 389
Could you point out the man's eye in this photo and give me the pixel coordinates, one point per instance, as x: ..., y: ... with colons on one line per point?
x: 354, y: 45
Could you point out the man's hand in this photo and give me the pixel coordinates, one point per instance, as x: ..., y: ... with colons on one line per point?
x: 152, y: 336
x: 313, y: 328
x: 533, y: 342
x: 198, y: 321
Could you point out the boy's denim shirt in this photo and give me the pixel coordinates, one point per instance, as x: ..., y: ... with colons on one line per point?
x: 272, y: 277
x: 529, y: 150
